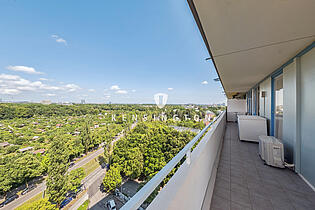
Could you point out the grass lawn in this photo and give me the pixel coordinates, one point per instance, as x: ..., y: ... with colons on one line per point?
x: 35, y: 198
x: 91, y: 166
x: 84, y: 206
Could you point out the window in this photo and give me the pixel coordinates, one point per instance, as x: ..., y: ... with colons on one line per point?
x: 278, y: 106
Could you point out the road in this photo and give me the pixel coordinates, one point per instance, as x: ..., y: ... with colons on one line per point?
x: 87, y: 159
x: 41, y: 187
x: 91, y: 181
x: 14, y: 204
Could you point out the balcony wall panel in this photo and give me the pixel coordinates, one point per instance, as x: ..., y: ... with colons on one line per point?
x: 188, y: 186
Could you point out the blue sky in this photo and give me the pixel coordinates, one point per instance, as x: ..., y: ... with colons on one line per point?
x: 100, y: 51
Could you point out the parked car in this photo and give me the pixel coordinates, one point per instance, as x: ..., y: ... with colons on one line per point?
x: 65, y: 202
x: 71, y: 194
x: 28, y: 189
x: 8, y: 200
x: 111, y: 205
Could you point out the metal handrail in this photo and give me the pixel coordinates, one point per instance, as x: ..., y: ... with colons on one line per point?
x: 136, y: 201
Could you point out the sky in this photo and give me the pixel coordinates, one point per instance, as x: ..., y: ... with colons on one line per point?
x: 103, y: 51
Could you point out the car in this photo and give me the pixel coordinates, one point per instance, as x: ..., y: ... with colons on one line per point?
x: 71, y: 194
x: 24, y: 191
x: 28, y: 189
x: 71, y: 164
x: 111, y: 205
x: 10, y: 199
x: 1, y: 204
x: 65, y: 202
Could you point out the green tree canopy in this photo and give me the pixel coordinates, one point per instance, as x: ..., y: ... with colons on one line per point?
x: 57, y: 180
x: 74, y: 178
x: 112, y: 179
x: 41, y: 204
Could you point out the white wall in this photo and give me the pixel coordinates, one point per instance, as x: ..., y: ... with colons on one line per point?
x: 236, y: 105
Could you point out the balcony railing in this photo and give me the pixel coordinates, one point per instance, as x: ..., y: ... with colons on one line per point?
x: 192, y: 177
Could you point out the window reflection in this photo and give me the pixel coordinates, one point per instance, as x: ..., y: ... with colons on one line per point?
x: 278, y: 82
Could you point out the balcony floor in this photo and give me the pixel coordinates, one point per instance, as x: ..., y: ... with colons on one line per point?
x: 244, y: 182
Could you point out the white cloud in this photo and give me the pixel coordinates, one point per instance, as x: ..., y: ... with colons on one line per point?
x: 29, y: 88
x: 25, y: 69
x: 204, y: 82
x: 43, y: 79
x: 133, y: 90
x: 107, y: 96
x: 115, y: 87
x: 9, y: 91
x: 72, y: 87
x: 50, y: 94
x: 170, y: 89
x: 14, y: 84
x: 121, y: 92
x: 9, y: 77
x: 91, y: 90
x: 59, y: 39
x: 49, y: 87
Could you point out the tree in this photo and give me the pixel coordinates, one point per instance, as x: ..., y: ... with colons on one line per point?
x: 25, y: 167
x: 107, y: 150
x: 112, y: 179
x: 133, y: 165
x: 45, y: 163
x: 74, y: 178
x: 5, y: 179
x: 86, y: 138
x: 57, y: 180
x: 41, y: 204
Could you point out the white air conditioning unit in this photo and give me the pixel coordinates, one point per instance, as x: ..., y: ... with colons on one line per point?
x: 271, y: 151
x: 261, y: 147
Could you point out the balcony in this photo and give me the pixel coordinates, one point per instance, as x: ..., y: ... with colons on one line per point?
x: 226, y: 173
x: 245, y: 182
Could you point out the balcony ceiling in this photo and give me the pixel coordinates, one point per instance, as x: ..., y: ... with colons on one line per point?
x: 248, y: 40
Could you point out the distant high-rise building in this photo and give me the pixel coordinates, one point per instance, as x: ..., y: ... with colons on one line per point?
x: 82, y: 101
x: 46, y: 102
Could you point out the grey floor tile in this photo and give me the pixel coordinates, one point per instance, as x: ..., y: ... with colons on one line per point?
x: 241, y: 198
x: 222, y: 192
x: 219, y: 203
x: 237, y: 206
x: 239, y: 188
x: 260, y: 203
x: 283, y: 203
